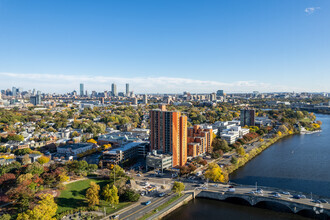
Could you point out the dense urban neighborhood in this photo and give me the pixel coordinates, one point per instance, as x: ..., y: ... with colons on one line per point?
x: 89, y: 155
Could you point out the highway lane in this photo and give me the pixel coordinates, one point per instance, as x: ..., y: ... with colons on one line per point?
x: 140, y: 210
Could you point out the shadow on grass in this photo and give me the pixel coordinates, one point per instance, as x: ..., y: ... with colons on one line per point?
x: 71, y: 203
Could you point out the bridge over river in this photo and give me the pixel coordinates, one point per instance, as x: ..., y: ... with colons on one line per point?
x: 247, y: 194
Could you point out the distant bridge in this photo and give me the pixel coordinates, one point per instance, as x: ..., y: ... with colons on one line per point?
x: 244, y: 194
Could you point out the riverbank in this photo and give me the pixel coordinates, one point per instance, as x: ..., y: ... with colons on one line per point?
x: 241, y: 161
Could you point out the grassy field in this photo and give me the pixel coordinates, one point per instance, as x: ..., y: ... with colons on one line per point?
x: 305, y: 120
x: 74, y: 196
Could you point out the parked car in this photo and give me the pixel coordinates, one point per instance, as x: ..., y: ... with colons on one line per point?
x: 286, y: 193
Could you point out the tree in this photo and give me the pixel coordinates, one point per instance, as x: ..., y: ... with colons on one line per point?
x: 110, y: 194
x: 5, y: 217
x: 178, y: 187
x: 233, y: 160
x: 45, y: 210
x: 130, y: 196
x: 92, y: 167
x: 214, y: 173
x: 24, y: 177
x: 92, y: 194
x: 43, y: 159
x: 34, y: 168
x: 92, y: 141
x: 220, y: 144
x: 15, y: 137
x: 240, y: 151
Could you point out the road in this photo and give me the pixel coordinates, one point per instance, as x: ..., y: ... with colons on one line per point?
x: 140, y: 210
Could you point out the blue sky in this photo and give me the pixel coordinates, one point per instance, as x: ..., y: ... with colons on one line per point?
x: 166, y: 45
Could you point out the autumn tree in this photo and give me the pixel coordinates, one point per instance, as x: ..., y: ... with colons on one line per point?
x: 178, y: 187
x: 43, y: 159
x: 110, y: 194
x: 45, y: 210
x: 240, y: 151
x: 214, y: 173
x: 92, y: 194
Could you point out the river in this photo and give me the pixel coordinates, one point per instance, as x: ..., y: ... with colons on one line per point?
x: 300, y: 163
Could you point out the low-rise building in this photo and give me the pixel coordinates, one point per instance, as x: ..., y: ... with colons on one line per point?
x: 123, y: 153
x: 33, y: 158
x: 74, y: 149
x: 158, y: 161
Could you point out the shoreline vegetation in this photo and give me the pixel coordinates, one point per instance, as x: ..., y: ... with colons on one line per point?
x: 241, y: 161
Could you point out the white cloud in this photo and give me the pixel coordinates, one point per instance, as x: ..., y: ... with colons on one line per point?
x: 67, y: 83
x: 311, y: 10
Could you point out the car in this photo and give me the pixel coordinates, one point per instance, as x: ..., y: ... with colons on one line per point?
x: 277, y: 195
x: 316, y: 201
x: 161, y: 194
x: 259, y: 191
x: 231, y: 187
x: 296, y: 197
x: 302, y: 196
x: 231, y: 190
x: 252, y: 192
x: 323, y: 201
x: 286, y: 193
x: 138, y: 175
x: 146, y: 203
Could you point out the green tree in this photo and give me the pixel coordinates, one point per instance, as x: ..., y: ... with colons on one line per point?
x: 130, y: 196
x: 178, y: 187
x: 92, y: 194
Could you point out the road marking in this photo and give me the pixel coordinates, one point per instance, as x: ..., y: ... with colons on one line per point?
x: 142, y: 208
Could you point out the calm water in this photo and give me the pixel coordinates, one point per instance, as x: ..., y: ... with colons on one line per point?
x: 300, y: 163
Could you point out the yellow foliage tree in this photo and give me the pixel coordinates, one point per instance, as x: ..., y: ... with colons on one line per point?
x: 43, y: 159
x: 279, y: 133
x: 92, y: 194
x: 92, y: 141
x: 106, y: 146
x: 214, y: 173
x: 45, y: 210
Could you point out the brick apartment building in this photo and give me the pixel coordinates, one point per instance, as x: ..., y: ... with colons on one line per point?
x: 168, y: 134
x: 199, y: 140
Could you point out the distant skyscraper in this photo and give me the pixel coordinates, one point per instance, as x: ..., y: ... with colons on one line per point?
x: 248, y: 117
x: 145, y: 99
x: 14, y: 91
x: 168, y: 134
x: 127, y: 89
x: 114, y: 89
x: 220, y: 93
x: 35, y: 100
x: 81, y: 89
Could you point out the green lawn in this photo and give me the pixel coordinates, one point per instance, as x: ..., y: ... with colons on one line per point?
x: 305, y: 120
x: 74, y: 196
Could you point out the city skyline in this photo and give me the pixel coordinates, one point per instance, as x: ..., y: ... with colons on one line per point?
x: 166, y: 46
